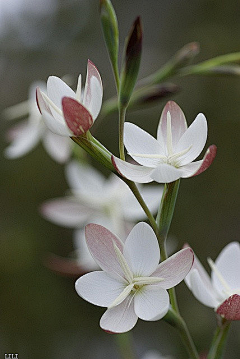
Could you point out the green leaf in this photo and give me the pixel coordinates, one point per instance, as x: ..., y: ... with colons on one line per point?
x: 131, y: 62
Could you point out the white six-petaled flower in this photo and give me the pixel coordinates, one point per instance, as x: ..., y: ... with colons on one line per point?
x: 170, y: 156
x: 28, y: 133
x: 132, y: 283
x: 67, y: 113
x: 222, y: 290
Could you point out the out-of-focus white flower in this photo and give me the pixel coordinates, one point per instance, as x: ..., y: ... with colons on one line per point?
x: 132, y: 283
x: 93, y: 198
x: 222, y: 290
x: 171, y: 155
x: 28, y: 133
x: 69, y: 113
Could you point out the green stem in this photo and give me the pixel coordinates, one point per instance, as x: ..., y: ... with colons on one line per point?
x: 164, y: 219
x: 219, y: 341
x: 142, y: 203
x: 125, y: 344
x: 122, y: 115
x: 174, y: 319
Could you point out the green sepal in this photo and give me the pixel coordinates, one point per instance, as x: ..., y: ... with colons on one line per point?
x: 131, y: 62
x: 111, y: 34
x: 95, y: 149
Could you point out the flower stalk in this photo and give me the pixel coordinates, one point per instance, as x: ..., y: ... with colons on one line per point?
x: 219, y: 340
x: 177, y: 322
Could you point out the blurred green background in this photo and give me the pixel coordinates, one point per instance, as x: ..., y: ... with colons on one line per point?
x: 41, y: 314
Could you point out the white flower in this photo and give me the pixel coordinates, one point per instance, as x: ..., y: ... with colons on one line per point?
x: 27, y: 134
x: 67, y: 113
x: 222, y: 290
x: 93, y: 198
x: 170, y: 156
x: 132, y: 283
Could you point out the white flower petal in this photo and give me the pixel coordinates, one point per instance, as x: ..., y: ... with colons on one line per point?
x: 93, y: 91
x: 151, y: 303
x: 203, y: 274
x: 195, y: 137
x: 139, y: 174
x: 178, y: 123
x: 57, y: 89
x: 55, y: 125
x: 200, y: 290
x: 66, y: 212
x: 119, y: 319
x: 58, y: 147
x: 141, y: 250
x: 25, y: 138
x: 84, y: 257
x: 99, y: 288
x: 165, y: 173
x: 175, y: 268
x: 228, y: 264
x: 191, y: 169
x: 138, y: 141
x: 84, y: 179
x: 102, y: 245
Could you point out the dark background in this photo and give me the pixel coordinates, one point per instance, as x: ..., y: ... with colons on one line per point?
x: 41, y: 314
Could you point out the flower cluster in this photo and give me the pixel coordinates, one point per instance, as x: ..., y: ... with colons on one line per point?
x: 132, y: 277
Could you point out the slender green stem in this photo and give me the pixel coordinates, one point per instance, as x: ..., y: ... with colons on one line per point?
x: 122, y: 115
x: 174, y: 319
x: 219, y: 340
x: 142, y: 203
x: 125, y: 344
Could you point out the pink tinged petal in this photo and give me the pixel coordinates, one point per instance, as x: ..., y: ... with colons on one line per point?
x: 230, y: 308
x: 207, y: 160
x: 66, y: 212
x: 139, y: 174
x: 120, y: 319
x: 138, y: 141
x: 165, y: 173
x: 228, y: 264
x: 178, y: 123
x: 194, y: 138
x: 84, y: 179
x: 41, y: 103
x: 102, y: 245
x: 151, y: 303
x: 57, y: 89
x: 203, y: 293
x: 58, y: 147
x: 77, y: 117
x: 141, y: 250
x: 55, y: 125
x: 175, y: 268
x: 99, y: 288
x: 93, y: 92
